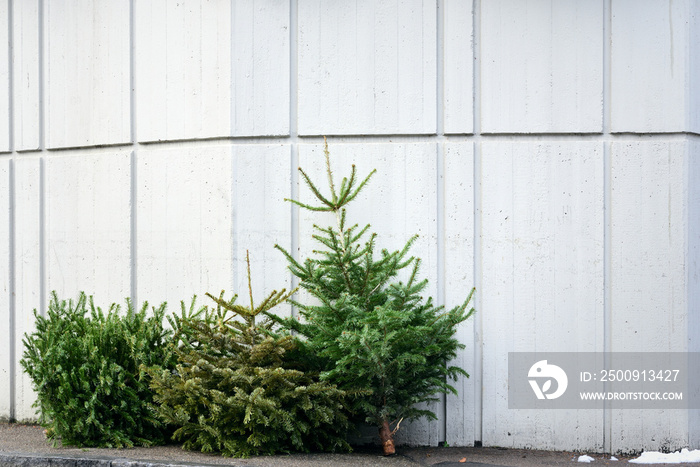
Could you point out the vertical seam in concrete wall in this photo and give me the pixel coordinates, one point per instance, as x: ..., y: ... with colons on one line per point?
x: 43, y: 270
x: 42, y: 75
x: 132, y: 229
x: 43, y: 58
x: 10, y: 75
x: 687, y: 120
x: 294, y: 133
x: 233, y: 153
x: 232, y: 83
x: 607, y: 221
x: 132, y: 73
x: 478, y: 322
x: 11, y: 214
x: 440, y: 182
x: 12, y: 304
x: 234, y: 218
x: 133, y: 186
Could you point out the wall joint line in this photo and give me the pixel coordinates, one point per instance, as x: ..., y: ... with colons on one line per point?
x: 133, y: 188
x: 440, y: 185
x: 43, y: 115
x: 607, y: 139
x: 294, y: 133
x: 478, y: 323
x: 11, y: 326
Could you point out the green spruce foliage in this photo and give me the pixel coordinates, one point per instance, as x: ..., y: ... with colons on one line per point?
x: 369, y: 331
x: 84, y: 365
x: 238, y: 390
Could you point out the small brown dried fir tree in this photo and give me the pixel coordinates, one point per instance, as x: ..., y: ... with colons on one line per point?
x: 238, y: 388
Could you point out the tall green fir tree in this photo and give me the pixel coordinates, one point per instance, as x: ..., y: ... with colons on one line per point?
x: 371, y: 334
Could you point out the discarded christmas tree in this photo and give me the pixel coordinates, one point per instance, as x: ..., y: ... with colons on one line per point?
x: 84, y: 364
x: 373, y: 335
x: 236, y: 390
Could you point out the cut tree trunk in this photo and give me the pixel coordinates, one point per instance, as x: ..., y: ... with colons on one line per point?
x: 387, y: 439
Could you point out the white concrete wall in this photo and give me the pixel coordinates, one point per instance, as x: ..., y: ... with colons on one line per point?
x: 545, y: 150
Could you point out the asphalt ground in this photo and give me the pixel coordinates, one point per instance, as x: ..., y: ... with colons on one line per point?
x: 26, y: 445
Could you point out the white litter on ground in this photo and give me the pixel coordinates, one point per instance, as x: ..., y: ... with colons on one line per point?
x: 585, y: 459
x: 679, y: 457
x: 613, y: 458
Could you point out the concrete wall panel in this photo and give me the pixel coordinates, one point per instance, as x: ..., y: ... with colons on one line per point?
x: 542, y: 260
x: 212, y: 69
x: 5, y: 293
x: 693, y: 98
x: 261, y: 68
x: 183, y: 224
x: 458, y: 208
x: 87, y: 76
x: 543, y: 71
x: 650, y: 227
x: 183, y: 69
x: 458, y: 67
x: 4, y: 77
x: 367, y: 67
x: 262, y: 219
x: 649, y: 237
x: 649, y: 66
x: 25, y: 69
x: 88, y: 225
x: 28, y: 271
x: 693, y: 261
